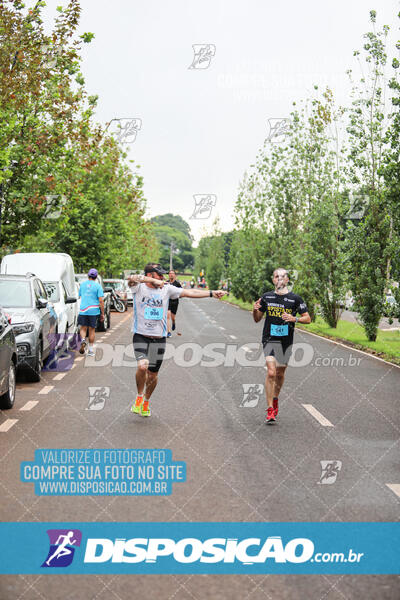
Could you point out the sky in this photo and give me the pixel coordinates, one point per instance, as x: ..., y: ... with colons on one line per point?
x: 199, y: 129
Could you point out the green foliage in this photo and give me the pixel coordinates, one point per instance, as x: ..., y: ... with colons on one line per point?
x: 326, y: 209
x: 175, y: 222
x: 182, y: 257
x: 50, y: 148
x: 212, y: 256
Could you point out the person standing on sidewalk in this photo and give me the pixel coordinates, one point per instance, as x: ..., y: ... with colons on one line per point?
x: 92, y: 305
x: 150, y: 310
x: 280, y: 307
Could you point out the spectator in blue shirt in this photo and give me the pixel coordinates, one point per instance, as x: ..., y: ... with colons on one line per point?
x: 92, y: 305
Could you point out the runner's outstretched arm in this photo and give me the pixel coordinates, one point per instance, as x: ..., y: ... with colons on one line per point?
x: 202, y: 293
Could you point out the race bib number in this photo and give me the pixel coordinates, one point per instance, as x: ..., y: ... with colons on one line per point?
x: 154, y: 313
x: 279, y: 330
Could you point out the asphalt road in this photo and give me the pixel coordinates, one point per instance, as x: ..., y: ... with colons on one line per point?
x: 238, y: 468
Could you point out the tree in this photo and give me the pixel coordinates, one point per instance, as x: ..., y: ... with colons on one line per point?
x: 175, y: 222
x: 182, y: 247
x: 60, y: 156
x: 370, y: 246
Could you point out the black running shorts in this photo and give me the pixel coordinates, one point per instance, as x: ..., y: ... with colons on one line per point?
x: 280, y: 350
x: 151, y: 348
x: 173, y: 306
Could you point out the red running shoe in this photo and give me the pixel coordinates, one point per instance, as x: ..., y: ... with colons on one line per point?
x: 270, y: 418
x: 276, y: 408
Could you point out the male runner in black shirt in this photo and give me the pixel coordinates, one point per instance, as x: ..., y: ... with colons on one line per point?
x: 173, y: 304
x: 280, y: 307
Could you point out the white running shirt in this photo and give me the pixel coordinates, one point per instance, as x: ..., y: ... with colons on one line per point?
x: 150, y: 308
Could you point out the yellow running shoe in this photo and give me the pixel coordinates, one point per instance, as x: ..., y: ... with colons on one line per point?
x: 135, y: 408
x: 145, y: 409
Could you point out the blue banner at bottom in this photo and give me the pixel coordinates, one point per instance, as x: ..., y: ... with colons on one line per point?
x: 208, y: 548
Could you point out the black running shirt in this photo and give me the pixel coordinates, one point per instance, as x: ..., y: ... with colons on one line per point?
x: 274, y: 305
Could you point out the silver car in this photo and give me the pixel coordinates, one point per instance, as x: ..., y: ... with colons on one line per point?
x: 33, y: 320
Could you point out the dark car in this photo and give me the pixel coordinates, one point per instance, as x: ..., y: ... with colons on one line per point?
x: 8, y: 361
x: 101, y: 325
x: 33, y: 320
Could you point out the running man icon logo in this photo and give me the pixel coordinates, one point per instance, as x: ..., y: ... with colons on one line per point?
x: 203, y: 205
x: 97, y: 397
x: 203, y: 54
x: 251, y: 394
x: 125, y: 130
x: 61, y: 551
x: 329, y: 471
x: 278, y: 129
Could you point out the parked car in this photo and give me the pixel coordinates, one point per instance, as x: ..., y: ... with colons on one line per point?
x: 8, y: 361
x: 120, y: 287
x: 78, y: 301
x: 56, y: 271
x: 33, y: 320
x: 101, y: 325
x: 129, y: 294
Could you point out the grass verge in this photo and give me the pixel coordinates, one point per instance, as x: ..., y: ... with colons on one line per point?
x: 386, y: 346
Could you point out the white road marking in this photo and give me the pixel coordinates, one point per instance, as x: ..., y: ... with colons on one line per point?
x: 59, y: 376
x: 395, y: 487
x: 233, y: 337
x: 79, y: 358
x: 29, y: 405
x: 223, y: 328
x: 46, y: 389
x: 73, y: 367
x: 7, y: 425
x: 317, y: 415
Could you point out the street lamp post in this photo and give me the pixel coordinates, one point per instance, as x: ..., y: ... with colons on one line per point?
x: 172, y: 249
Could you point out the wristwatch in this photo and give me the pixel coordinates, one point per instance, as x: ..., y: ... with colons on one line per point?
x: 210, y: 293
x: 297, y: 319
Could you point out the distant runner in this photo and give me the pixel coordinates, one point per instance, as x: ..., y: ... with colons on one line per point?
x: 91, y: 308
x: 150, y: 308
x: 280, y: 307
x: 173, y: 304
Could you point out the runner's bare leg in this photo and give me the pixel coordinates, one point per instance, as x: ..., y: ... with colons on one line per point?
x: 141, y: 375
x: 150, y: 384
x: 270, y: 380
x: 279, y: 379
